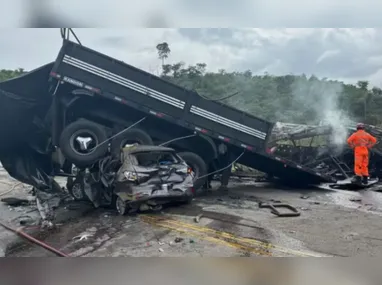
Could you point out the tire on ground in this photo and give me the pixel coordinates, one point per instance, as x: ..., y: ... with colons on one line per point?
x: 77, y: 190
x: 68, y: 135
x: 130, y: 136
x: 198, y: 166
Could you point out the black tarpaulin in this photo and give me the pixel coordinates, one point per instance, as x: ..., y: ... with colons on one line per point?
x: 23, y: 101
x: 24, y: 152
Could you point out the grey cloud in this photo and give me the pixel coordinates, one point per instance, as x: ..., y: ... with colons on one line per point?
x: 211, y: 36
x: 114, y: 41
x: 348, y: 53
x: 334, y: 53
x: 157, y: 20
x: 301, y: 54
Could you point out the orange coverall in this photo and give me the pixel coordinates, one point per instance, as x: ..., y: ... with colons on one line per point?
x: 361, y: 141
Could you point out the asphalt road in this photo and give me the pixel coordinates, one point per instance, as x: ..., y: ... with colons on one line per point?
x: 332, y: 223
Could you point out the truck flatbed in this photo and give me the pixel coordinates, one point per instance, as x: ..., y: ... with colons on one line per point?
x: 108, y: 78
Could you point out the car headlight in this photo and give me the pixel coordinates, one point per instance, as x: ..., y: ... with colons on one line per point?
x: 132, y: 176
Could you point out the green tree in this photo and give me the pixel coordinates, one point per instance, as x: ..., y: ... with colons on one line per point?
x: 164, y: 51
x: 6, y: 74
x: 288, y: 98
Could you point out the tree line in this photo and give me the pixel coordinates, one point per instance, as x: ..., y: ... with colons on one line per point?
x: 289, y: 98
x: 6, y: 74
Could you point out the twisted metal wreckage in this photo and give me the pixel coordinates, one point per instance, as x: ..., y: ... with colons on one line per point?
x: 25, y: 152
x: 52, y: 102
x: 313, y: 147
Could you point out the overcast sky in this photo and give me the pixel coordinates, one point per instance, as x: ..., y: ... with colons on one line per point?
x: 349, y: 54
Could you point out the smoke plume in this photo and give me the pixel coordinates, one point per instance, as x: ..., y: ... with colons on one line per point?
x: 320, y: 98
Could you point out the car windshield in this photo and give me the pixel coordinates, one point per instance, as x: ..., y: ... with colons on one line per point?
x: 147, y: 159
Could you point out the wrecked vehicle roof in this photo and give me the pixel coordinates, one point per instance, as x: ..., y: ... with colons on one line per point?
x: 146, y: 148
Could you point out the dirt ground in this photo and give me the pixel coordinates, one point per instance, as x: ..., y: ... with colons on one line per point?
x: 332, y: 223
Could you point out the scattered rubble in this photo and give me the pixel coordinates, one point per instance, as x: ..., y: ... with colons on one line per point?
x: 304, y: 209
x: 178, y: 240
x: 82, y: 237
x: 355, y: 200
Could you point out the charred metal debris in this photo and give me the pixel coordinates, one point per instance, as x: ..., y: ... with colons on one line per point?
x: 315, y: 147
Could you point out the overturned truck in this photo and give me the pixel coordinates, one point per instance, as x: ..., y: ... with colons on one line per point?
x: 75, y: 111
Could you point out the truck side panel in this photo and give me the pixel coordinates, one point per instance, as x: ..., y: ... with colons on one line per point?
x: 231, y: 123
x: 125, y: 82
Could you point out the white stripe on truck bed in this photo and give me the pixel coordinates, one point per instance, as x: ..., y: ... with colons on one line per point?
x: 123, y: 81
x: 229, y: 123
x: 160, y: 96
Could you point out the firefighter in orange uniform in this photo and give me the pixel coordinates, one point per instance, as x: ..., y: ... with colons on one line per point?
x: 361, y: 141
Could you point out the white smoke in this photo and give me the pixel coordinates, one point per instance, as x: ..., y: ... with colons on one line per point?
x: 321, y: 97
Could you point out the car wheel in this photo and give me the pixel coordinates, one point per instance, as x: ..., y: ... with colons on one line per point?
x: 121, y: 206
x: 81, y: 143
x: 77, y: 190
x: 198, y: 166
x: 129, y: 137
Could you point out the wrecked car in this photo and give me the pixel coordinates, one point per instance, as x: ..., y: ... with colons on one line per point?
x: 142, y: 178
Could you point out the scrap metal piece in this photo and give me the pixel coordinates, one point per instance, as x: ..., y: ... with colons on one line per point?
x: 294, y: 212
x: 197, y: 218
x: 350, y: 184
x: 82, y: 237
x: 342, y: 166
x: 15, y: 202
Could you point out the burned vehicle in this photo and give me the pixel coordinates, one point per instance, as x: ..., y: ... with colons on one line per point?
x: 142, y: 178
x: 318, y: 148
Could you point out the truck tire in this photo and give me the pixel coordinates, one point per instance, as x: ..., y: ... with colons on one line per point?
x: 199, y: 167
x: 130, y: 136
x: 70, y: 146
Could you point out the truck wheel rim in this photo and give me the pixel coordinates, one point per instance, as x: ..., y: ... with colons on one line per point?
x: 77, y: 191
x: 89, y: 142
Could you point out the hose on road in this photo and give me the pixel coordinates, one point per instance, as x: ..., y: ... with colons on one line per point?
x: 34, y: 240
